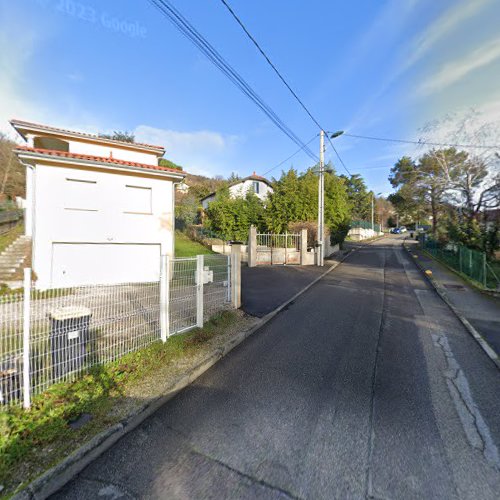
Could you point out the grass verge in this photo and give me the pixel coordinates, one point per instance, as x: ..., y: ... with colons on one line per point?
x: 31, y: 441
x: 186, y: 247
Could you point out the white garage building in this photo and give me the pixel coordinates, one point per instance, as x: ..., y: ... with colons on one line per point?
x: 98, y: 210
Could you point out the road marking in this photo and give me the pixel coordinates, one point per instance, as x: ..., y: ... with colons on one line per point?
x: 476, y: 429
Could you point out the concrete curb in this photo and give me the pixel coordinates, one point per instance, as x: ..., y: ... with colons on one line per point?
x: 55, y: 478
x: 475, y: 334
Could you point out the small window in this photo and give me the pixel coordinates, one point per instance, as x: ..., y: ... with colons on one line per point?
x: 80, y: 194
x: 138, y: 200
x: 256, y: 187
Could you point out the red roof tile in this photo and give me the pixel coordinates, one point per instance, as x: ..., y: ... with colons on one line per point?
x: 100, y: 159
x: 49, y: 128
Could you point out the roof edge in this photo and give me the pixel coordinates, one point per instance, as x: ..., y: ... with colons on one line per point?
x: 48, y: 129
x: 54, y: 155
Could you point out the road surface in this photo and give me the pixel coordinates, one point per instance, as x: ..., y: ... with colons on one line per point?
x: 366, y: 387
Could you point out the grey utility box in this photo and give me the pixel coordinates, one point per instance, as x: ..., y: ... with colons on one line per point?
x: 10, y: 379
x: 69, y: 339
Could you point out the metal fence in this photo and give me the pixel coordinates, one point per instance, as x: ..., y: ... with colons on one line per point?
x: 278, y: 248
x: 471, y: 263
x: 364, y: 224
x: 59, y: 334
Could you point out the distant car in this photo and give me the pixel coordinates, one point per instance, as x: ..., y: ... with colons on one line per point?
x: 396, y: 230
x: 402, y: 229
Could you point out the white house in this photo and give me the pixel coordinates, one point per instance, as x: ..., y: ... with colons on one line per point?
x: 97, y: 210
x: 260, y: 186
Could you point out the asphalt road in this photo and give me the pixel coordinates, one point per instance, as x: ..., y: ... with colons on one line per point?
x: 366, y: 387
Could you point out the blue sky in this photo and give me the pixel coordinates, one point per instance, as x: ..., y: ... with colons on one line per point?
x: 371, y: 67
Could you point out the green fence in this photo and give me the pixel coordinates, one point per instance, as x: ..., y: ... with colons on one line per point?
x: 471, y: 263
x: 364, y: 224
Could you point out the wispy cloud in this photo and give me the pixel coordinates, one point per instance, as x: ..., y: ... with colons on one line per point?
x: 202, y: 152
x: 453, y: 72
x: 449, y: 20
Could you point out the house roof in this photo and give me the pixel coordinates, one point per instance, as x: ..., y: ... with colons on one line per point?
x: 253, y: 177
x: 22, y: 127
x: 101, y: 160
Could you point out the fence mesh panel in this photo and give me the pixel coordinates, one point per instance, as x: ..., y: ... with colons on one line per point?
x: 472, y: 263
x: 72, y: 329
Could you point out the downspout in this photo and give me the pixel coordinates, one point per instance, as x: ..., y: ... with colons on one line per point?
x: 29, y: 213
x: 174, y: 184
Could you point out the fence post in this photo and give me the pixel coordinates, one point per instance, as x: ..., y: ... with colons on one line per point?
x: 199, y: 291
x: 236, y: 275
x: 26, y: 339
x: 286, y: 246
x: 303, y: 246
x: 252, y: 246
x: 164, y: 297
x: 228, y: 298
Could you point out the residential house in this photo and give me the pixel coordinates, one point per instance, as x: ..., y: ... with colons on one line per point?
x: 259, y: 185
x: 98, y: 210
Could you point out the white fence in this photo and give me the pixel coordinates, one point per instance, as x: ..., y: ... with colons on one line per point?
x: 56, y: 335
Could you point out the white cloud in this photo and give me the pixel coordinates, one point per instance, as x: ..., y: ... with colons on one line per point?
x: 202, y: 152
x: 453, y: 72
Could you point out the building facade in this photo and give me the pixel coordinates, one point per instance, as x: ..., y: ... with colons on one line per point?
x: 97, y: 210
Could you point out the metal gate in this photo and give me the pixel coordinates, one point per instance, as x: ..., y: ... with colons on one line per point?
x: 278, y: 249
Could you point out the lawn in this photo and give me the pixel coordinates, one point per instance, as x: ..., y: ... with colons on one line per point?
x: 185, y: 247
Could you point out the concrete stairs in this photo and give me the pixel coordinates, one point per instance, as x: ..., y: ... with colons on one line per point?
x: 14, y: 258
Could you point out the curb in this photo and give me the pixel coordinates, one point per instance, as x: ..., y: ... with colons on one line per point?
x: 55, y: 478
x: 444, y: 296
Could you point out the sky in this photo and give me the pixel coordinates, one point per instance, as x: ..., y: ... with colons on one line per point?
x: 368, y: 67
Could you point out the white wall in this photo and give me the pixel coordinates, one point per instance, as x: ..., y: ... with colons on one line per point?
x: 117, y: 152
x: 64, y: 215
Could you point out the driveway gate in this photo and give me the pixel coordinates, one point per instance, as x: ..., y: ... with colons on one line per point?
x: 278, y: 248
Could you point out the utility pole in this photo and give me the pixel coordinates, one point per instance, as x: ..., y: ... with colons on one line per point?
x: 321, y: 200
x: 373, y: 225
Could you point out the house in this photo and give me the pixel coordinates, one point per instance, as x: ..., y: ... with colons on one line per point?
x: 98, y: 210
x: 260, y: 186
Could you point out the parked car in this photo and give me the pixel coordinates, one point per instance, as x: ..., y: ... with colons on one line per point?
x: 402, y: 229
x: 396, y: 230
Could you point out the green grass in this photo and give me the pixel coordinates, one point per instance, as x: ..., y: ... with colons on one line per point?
x: 185, y: 247
x: 10, y: 236
x: 35, y: 439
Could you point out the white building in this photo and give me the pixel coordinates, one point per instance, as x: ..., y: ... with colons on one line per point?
x: 260, y: 186
x: 97, y: 210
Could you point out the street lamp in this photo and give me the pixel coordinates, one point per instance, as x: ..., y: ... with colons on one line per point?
x: 321, y: 194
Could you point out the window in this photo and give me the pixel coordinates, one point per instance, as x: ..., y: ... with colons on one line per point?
x: 138, y: 200
x: 80, y: 194
x: 256, y: 187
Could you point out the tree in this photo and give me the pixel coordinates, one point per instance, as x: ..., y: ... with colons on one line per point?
x: 232, y: 217
x: 359, y: 197
x: 119, y: 135
x: 295, y: 199
x: 12, y: 172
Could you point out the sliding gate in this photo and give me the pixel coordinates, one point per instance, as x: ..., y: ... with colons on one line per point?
x: 277, y: 249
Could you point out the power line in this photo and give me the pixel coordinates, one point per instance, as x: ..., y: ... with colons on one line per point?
x: 421, y: 143
x: 290, y: 157
x: 200, y: 42
x: 261, y: 50
x: 281, y: 77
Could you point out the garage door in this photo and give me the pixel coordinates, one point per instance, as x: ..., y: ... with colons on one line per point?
x: 89, y: 263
